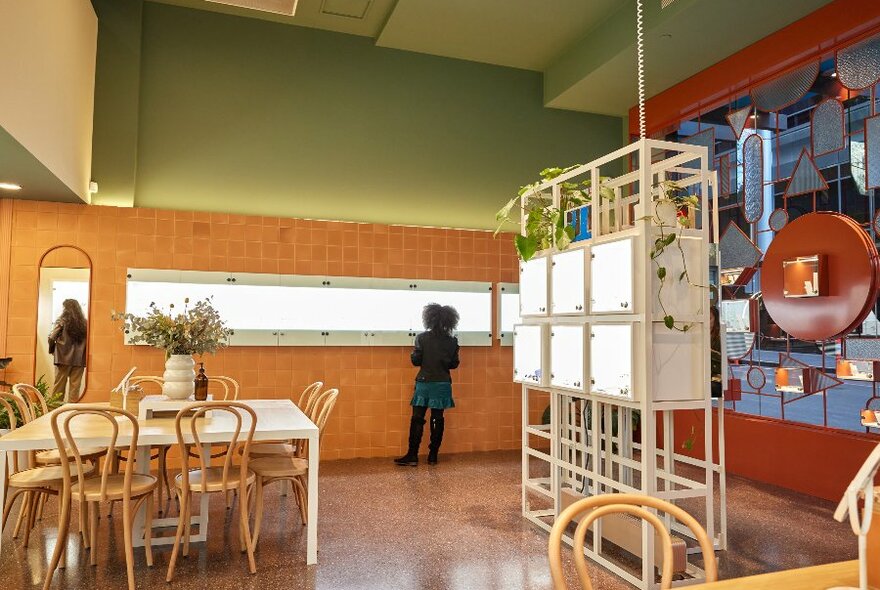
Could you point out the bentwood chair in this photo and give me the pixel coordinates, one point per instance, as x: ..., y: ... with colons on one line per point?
x: 132, y: 489
x: 293, y: 469
x: 591, y: 509
x: 231, y: 387
x: 219, y: 479
x: 306, y: 402
x: 33, y: 397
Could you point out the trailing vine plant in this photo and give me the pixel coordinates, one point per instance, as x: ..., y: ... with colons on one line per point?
x: 545, y: 224
x: 672, y: 194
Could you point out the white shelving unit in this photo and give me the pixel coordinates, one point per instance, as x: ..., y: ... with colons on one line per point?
x: 592, y: 318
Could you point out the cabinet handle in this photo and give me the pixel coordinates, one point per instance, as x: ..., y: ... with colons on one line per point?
x: 274, y: 333
x: 233, y: 279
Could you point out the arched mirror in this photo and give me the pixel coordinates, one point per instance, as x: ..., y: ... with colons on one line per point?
x: 64, y: 296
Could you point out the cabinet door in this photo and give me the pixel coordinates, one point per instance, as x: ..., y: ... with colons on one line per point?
x: 611, y: 277
x: 567, y: 282
x: 301, y: 338
x: 567, y: 357
x: 253, y: 338
x: 533, y: 287
x: 611, y: 359
x: 528, y: 355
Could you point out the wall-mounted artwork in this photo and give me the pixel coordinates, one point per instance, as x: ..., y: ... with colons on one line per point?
x: 737, y: 120
x: 753, y: 181
x: 827, y: 127
x: 805, y: 178
x: 858, y: 65
x: 786, y: 89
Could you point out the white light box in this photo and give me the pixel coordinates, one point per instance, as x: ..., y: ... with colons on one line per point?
x: 568, y: 357
x: 611, y: 360
x: 533, y: 287
x: 678, y: 364
x: 567, y: 270
x: 611, y: 277
x: 529, y: 355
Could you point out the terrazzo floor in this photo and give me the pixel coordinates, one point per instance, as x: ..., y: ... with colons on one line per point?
x: 456, y: 525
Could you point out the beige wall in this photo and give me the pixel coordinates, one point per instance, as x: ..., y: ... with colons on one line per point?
x: 47, y: 71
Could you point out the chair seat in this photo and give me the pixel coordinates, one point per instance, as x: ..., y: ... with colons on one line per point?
x: 90, y: 491
x: 43, y: 477
x: 272, y: 450
x: 279, y: 466
x: 53, y: 456
x: 215, y: 479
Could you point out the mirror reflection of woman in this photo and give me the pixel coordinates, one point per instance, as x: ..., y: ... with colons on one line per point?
x: 67, y: 343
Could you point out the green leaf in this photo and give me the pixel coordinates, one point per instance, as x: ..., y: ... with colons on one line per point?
x: 668, y: 239
x: 661, y: 273
x: 669, y: 321
x: 526, y: 246
x: 682, y: 275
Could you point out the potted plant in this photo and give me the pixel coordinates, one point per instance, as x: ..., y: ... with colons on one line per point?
x: 545, y: 224
x: 52, y: 402
x: 674, y: 211
x: 195, y: 330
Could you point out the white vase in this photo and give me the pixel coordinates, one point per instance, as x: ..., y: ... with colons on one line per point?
x: 179, y: 376
x: 665, y: 213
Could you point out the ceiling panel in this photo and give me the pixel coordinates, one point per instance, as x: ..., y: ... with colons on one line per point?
x: 355, y: 17
x: 517, y: 33
x: 19, y: 166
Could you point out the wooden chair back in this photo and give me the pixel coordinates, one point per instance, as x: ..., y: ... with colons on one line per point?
x: 61, y: 420
x: 636, y: 505
x: 33, y: 397
x: 195, y: 414
x: 143, y: 380
x: 19, y: 414
x: 307, y: 397
x: 320, y: 413
x: 231, y: 387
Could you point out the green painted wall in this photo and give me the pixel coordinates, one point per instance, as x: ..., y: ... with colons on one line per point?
x: 117, y: 91
x: 247, y: 116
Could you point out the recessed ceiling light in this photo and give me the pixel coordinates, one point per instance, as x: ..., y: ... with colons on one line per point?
x: 833, y: 74
x: 10, y: 186
x: 666, y: 36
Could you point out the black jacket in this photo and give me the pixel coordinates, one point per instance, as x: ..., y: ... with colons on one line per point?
x: 436, y: 354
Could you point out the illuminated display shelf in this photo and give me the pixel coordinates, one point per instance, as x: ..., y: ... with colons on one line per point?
x: 613, y: 358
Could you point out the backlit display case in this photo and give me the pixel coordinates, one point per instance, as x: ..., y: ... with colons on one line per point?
x: 611, y: 272
x: 529, y: 358
x: 611, y: 360
x: 567, y: 272
x: 533, y: 287
x: 568, y: 356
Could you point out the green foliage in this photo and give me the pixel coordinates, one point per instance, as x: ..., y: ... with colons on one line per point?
x: 52, y: 402
x: 197, y: 330
x: 677, y: 197
x: 544, y: 224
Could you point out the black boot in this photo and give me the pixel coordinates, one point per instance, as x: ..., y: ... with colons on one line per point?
x: 437, y: 425
x: 416, y: 428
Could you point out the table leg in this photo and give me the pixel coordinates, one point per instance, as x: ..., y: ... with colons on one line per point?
x: 3, y: 456
x: 312, y: 533
x: 202, y: 519
x: 142, y: 466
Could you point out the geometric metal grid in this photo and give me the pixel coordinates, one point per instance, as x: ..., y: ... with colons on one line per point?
x: 805, y: 178
x: 858, y: 66
x: 753, y: 181
x: 737, y: 250
x: 737, y: 120
x: 827, y: 129
x: 785, y: 90
x: 778, y: 219
x: 872, y: 152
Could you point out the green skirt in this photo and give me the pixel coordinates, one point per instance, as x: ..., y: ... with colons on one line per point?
x: 433, y: 394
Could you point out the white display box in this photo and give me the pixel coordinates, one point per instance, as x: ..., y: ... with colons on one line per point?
x: 158, y: 406
x: 611, y: 277
x: 568, y: 282
x: 530, y: 355
x: 533, y: 287
x: 611, y: 360
x: 568, y: 356
x: 678, y: 364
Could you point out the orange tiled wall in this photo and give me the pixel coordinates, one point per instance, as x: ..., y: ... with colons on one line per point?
x: 372, y: 415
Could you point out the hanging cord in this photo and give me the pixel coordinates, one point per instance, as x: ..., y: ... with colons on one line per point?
x: 640, y: 52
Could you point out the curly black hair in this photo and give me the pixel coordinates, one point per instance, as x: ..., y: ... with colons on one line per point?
x: 440, y: 318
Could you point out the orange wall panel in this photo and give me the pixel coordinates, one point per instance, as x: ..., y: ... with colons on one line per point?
x: 372, y: 415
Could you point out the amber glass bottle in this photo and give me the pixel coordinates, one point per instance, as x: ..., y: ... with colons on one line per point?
x: 201, y: 393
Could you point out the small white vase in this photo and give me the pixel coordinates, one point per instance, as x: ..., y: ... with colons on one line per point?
x: 179, y: 376
x: 666, y: 213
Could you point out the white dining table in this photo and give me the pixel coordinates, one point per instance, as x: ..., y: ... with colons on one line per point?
x: 276, y: 420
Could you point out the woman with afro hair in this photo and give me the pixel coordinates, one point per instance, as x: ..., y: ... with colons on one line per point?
x: 435, y: 351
